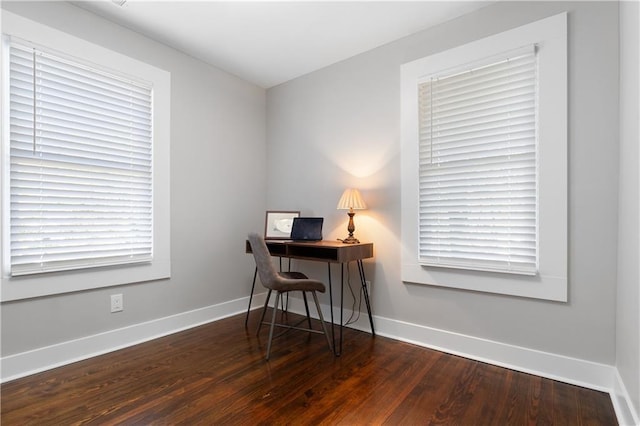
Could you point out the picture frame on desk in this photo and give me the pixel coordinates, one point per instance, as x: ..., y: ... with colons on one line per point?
x: 277, y: 224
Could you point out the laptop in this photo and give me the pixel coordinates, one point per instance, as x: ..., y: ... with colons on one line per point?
x: 307, y: 229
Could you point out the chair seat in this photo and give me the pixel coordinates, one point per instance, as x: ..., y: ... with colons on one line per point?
x: 298, y: 284
x: 293, y: 275
x: 289, y: 274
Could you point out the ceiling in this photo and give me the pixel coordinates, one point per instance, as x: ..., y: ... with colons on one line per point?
x: 268, y: 43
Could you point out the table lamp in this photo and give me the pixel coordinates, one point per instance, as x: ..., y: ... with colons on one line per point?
x: 350, y: 200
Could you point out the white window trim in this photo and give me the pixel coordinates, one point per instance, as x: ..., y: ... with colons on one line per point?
x: 550, y: 35
x: 16, y: 288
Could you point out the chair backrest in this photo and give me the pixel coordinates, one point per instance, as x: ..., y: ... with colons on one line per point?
x: 266, y: 270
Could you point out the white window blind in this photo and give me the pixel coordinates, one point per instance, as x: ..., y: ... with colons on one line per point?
x: 80, y: 165
x: 477, y: 167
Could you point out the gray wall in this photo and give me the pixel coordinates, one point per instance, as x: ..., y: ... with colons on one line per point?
x: 628, y: 306
x: 217, y: 193
x: 340, y: 127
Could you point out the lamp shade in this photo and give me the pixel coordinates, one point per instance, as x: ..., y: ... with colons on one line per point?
x: 351, y: 199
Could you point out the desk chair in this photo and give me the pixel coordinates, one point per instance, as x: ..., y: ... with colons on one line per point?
x: 274, y: 281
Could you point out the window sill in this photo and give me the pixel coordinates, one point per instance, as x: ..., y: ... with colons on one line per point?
x: 27, y: 287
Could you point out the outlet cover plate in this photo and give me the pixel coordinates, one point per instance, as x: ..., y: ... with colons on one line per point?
x: 117, y: 304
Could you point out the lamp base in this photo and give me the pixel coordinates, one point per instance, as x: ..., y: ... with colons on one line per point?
x: 351, y: 240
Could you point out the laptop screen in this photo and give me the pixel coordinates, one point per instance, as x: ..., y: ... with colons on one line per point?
x: 307, y: 229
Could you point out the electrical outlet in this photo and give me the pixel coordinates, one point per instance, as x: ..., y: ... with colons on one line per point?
x: 368, y: 283
x: 117, y: 303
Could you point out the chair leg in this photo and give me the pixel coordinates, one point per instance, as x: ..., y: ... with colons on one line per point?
x: 306, y: 307
x: 253, y: 287
x: 273, y: 323
x: 264, y: 310
x: 324, y: 327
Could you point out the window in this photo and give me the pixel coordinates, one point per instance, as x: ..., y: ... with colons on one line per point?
x: 477, y: 168
x: 85, y: 153
x: 484, y: 164
x: 80, y: 164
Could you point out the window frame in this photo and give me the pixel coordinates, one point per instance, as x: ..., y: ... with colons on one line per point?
x: 550, y: 36
x: 22, y: 287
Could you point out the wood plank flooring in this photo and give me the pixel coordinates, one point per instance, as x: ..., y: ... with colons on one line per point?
x: 216, y: 375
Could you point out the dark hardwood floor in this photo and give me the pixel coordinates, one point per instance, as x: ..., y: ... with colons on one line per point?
x: 216, y: 374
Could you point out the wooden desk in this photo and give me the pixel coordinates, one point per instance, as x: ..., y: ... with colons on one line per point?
x: 330, y: 252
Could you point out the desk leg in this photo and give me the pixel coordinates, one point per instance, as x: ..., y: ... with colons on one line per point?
x: 337, y: 350
x: 333, y: 336
x: 253, y: 286
x: 341, y: 304
x: 363, y: 282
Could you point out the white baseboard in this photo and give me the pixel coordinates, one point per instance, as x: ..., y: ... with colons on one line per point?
x: 576, y: 371
x: 562, y: 368
x: 566, y: 369
x: 26, y: 363
x: 625, y: 411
